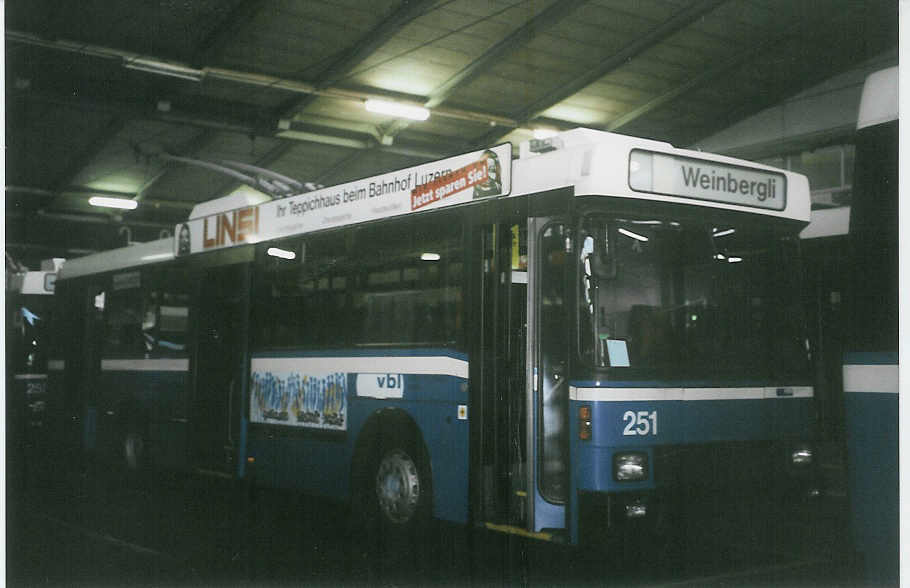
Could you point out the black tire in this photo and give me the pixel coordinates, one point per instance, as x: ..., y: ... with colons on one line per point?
x: 393, y: 501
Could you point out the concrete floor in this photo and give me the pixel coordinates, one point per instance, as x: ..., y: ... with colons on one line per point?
x: 68, y: 527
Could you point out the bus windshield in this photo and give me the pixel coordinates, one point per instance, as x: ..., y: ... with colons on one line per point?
x: 666, y: 300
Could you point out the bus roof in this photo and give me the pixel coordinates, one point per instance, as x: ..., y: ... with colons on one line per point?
x: 591, y: 162
x: 598, y: 163
x: 879, y: 102
x: 124, y: 257
x: 32, y: 282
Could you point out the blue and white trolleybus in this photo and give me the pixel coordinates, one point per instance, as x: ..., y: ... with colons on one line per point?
x: 553, y: 345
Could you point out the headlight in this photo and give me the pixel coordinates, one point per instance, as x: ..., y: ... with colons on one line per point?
x: 630, y: 466
x: 801, y: 456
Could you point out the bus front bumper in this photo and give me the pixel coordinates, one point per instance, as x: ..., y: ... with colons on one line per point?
x: 728, y: 484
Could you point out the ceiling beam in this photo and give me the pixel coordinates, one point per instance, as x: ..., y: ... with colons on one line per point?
x: 661, y: 32
x: 407, y: 11
x: 66, y: 234
x: 135, y: 110
x: 81, y: 194
x: 338, y: 165
x: 548, y: 18
x: 317, y: 131
x: 390, y: 26
x: 322, y: 133
x: 828, y: 27
x: 252, y: 79
x: 225, y: 32
x: 701, y: 79
x: 85, y: 155
x: 188, y: 149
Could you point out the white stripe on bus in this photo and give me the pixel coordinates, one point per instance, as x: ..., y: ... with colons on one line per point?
x: 441, y: 365
x: 145, y: 365
x: 882, y: 379
x: 686, y: 394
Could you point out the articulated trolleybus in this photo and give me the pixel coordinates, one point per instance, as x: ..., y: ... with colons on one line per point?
x: 552, y: 346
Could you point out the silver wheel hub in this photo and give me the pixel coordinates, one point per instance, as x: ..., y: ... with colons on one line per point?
x: 397, y: 487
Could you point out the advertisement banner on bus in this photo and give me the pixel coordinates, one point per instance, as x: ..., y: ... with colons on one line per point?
x: 480, y: 174
x: 294, y: 399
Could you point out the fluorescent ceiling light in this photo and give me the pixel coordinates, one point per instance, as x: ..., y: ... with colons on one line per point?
x: 124, y: 203
x: 724, y: 233
x: 430, y: 257
x: 544, y: 133
x: 633, y: 235
x: 397, y: 109
x: 281, y: 253
x: 163, y: 68
x: 720, y: 256
x: 734, y: 259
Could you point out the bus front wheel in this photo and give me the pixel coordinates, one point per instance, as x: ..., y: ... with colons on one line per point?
x: 395, y: 494
x: 398, y: 488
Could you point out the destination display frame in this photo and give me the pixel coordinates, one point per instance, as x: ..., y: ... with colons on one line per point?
x: 741, y: 185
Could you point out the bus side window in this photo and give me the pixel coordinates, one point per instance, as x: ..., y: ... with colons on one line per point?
x: 410, y: 290
x: 303, y: 301
x: 123, y: 323
x: 165, y: 314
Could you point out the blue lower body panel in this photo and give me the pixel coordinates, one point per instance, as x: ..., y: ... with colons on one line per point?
x: 695, y: 441
x: 156, y: 397
x: 294, y: 446
x: 871, y: 406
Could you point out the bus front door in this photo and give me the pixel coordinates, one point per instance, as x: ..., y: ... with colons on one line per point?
x: 500, y: 402
x: 218, y: 368
x: 549, y: 328
x: 520, y: 407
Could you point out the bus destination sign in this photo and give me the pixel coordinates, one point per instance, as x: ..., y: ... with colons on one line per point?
x: 673, y: 175
x: 480, y: 174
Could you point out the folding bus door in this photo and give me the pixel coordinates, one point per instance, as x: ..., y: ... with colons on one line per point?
x: 219, y: 368
x: 519, y: 408
x: 548, y: 352
x: 499, y: 404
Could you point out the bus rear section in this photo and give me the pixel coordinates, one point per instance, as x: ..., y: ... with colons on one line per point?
x: 871, y: 366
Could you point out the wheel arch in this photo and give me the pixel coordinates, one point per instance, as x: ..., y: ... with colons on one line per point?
x: 398, y: 423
